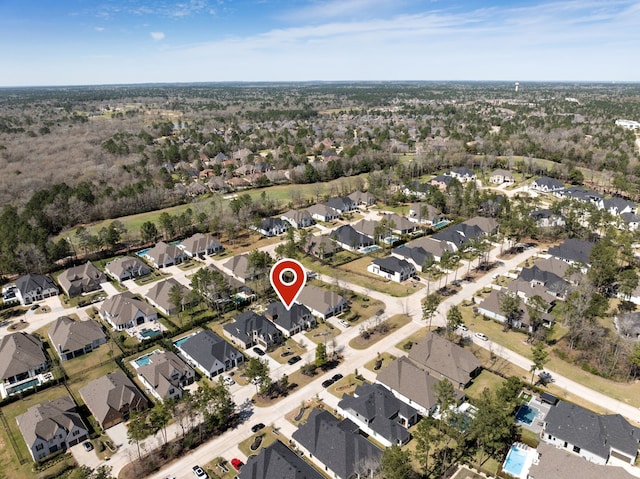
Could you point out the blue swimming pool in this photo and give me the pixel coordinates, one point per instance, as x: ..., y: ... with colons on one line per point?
x: 440, y: 224
x: 180, y: 341
x: 526, y: 414
x: 142, y: 252
x: 21, y: 387
x: 370, y: 249
x: 515, y: 461
x: 149, y: 333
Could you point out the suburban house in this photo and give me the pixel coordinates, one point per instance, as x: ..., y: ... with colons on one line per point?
x: 348, y: 238
x: 424, y: 213
x: 456, y: 236
x: 362, y: 198
x: 81, y: 279
x: 165, y: 374
x: 298, y: 218
x: 552, y: 265
x: 545, y: 218
x: 320, y: 212
x: 322, y: 302
x: 52, y: 426
x: 546, y: 185
x: 209, y: 353
x: 399, y: 224
x: 160, y: 297
x: 22, y: 359
x: 111, y: 398
x: 238, y: 267
x: 417, y: 256
x: 250, y: 329
x: 632, y: 220
x: 412, y: 385
x: 163, y: 255
x: 441, y: 182
x: 425, y: 246
x: 602, y: 439
x: 618, y: 206
x: 555, y: 463
x: 72, y: 338
x: 200, y: 245
x: 490, y: 307
x: 127, y: 267
x: 582, y: 195
x: 392, y: 268
x: 379, y: 414
x: 528, y: 289
x: 370, y: 228
x: 444, y: 359
x: 321, y: 247
x: 35, y: 287
x: 553, y: 284
x: 335, y: 445
x: 342, y: 204
x: 290, y: 321
x: 501, y: 176
x: 124, y: 311
x: 272, y: 227
x: 277, y: 461
x: 463, y: 175
x: 573, y: 251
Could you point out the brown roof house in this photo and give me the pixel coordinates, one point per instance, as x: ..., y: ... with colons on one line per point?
x: 111, y: 398
x: 163, y: 255
x: 127, y: 267
x: 72, y: 338
x: 22, y: 359
x: 322, y: 302
x: 81, y: 279
x: 412, y: 385
x: 444, y: 359
x: 124, y: 311
x: 165, y: 374
x: 52, y: 426
x: 159, y: 295
x: 200, y: 245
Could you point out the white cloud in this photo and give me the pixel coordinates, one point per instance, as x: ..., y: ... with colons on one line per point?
x: 99, y: 29
x: 157, y: 36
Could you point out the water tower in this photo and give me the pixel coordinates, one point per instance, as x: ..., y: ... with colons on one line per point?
x: 517, y: 84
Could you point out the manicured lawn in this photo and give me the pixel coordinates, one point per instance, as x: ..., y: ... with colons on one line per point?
x: 75, y: 366
x: 387, y: 359
x: 290, y: 347
x: 324, y: 332
x: 393, y: 323
x: 486, y: 379
x: 212, y: 468
x: 414, y: 338
x: 296, y: 381
x: 347, y: 385
x: 268, y: 438
x: 358, y: 270
x: 155, y: 275
x: 82, y: 300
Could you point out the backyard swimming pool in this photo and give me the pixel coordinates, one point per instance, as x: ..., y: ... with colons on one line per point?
x: 142, y: 252
x: 526, y: 414
x: 370, y: 249
x: 149, y: 333
x: 146, y: 359
x: 519, y: 460
x: 180, y: 341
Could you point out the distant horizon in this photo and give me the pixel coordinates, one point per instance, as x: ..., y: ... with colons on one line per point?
x: 511, y: 83
x: 127, y: 42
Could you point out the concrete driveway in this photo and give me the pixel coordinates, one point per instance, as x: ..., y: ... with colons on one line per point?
x: 118, y: 435
x: 86, y: 458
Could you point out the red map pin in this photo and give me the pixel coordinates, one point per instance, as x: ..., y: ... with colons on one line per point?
x: 288, y: 291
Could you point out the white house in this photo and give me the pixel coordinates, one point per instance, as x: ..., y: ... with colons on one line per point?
x: 392, y: 268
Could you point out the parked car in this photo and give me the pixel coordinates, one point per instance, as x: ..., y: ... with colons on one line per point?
x: 255, y: 380
x: 87, y: 446
x: 337, y: 377
x: 462, y: 327
x: 326, y: 383
x: 344, y: 323
x: 258, y: 351
x: 228, y: 381
x: 34, y: 307
x: 199, y: 472
x: 294, y: 359
x: 257, y: 427
x: 482, y: 336
x: 236, y: 463
x: 545, y: 377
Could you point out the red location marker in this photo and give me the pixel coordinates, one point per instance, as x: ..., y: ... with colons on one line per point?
x: 288, y: 290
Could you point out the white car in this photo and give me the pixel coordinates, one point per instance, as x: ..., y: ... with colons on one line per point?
x: 482, y: 336
x: 344, y: 323
x: 228, y: 381
x: 462, y: 327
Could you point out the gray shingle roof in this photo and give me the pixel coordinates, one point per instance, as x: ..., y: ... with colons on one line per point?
x: 30, y: 282
x: 43, y: 420
x: 590, y: 431
x: 277, y: 462
x: 248, y: 323
x: 335, y: 443
x: 573, y: 249
x: 72, y: 335
x: 209, y: 350
x: 20, y: 353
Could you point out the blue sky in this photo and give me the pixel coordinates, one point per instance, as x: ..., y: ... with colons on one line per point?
x: 81, y: 42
